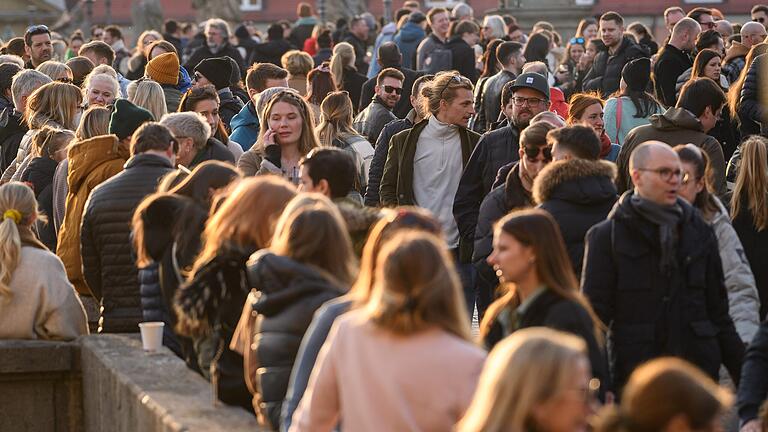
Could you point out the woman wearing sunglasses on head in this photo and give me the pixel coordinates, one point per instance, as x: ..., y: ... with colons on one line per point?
x: 565, y: 74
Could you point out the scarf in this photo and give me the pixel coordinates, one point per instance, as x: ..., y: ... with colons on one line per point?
x: 605, y: 145
x: 666, y: 218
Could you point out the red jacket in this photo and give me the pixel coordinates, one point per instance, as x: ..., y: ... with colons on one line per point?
x: 557, y: 102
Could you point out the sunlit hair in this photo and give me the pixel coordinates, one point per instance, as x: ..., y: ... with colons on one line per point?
x: 537, y: 229
x: 750, y: 194
x: 700, y: 63
x: 312, y: 231
x: 308, y: 139
x: 195, y: 95
x: 48, y: 140
x: 247, y: 216
x: 583, y: 24
x: 94, y: 122
x: 416, y: 287
x: 141, y: 47
x: 94, y: 76
x: 522, y: 372
x: 497, y: 26
x: 343, y: 56
x: 394, y: 221
x: 319, y: 85
x: 443, y: 88
x: 734, y: 93
x: 53, y: 102
x: 55, y: 70
x: 335, y: 119
x: 297, y: 62
x: 579, y: 104
x: 149, y: 95
x: 705, y: 199
x: 18, y: 197
x: 685, y: 390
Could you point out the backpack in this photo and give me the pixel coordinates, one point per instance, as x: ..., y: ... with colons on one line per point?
x: 440, y: 59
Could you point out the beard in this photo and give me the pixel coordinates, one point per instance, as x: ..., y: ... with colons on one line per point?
x: 214, y: 47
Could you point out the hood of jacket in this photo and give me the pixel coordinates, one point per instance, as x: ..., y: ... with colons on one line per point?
x: 579, y: 181
x: 676, y: 118
x: 87, y: 155
x: 246, y: 117
x: 283, y: 281
x: 411, y: 32
x: 736, y: 50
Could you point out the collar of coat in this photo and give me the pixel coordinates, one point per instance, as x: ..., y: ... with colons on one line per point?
x: 560, y: 172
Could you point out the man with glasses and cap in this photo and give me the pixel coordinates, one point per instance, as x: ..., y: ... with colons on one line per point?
x: 38, y: 45
x: 653, y: 275
x: 388, y: 91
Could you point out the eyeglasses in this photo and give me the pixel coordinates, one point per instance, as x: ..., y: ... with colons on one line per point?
x: 532, y: 153
x: 65, y: 80
x: 710, y: 25
x: 667, y: 174
x: 390, y: 89
x: 520, y: 101
x: 576, y: 40
x: 454, y: 79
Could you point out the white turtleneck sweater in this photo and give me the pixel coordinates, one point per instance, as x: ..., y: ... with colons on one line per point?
x: 437, y: 167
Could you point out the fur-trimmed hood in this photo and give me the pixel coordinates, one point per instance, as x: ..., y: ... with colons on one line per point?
x: 577, y: 180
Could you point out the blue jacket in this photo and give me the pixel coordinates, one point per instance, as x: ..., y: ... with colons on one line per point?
x: 408, y: 40
x: 153, y: 307
x: 185, y: 81
x: 387, y: 35
x: 245, y: 127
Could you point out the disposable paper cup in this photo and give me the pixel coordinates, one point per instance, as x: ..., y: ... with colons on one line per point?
x: 151, y: 335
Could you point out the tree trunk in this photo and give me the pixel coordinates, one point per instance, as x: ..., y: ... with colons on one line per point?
x: 147, y: 15
x: 228, y: 10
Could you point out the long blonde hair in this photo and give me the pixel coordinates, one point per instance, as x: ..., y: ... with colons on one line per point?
x: 522, y: 372
x: 149, y: 95
x: 54, y: 70
x: 18, y: 210
x: 310, y: 224
x: 343, y: 56
x: 95, y: 122
x: 416, y: 287
x: 56, y: 102
x: 734, y: 93
x: 246, y: 218
x: 308, y: 139
x: 49, y: 140
x: 751, y: 190
x: 335, y: 118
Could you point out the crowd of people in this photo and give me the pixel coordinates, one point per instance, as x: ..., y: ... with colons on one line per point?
x: 444, y: 222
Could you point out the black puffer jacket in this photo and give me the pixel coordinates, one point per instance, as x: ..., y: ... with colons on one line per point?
x: 40, y: 173
x: 213, y: 150
x: 578, y: 193
x: 153, y: 308
x: 751, y: 112
x: 754, y: 376
x: 270, y: 52
x: 12, y: 130
x: 380, y: 151
x: 108, y: 264
x: 649, y: 313
x: 289, y: 295
x: 605, y: 74
x: 494, y: 150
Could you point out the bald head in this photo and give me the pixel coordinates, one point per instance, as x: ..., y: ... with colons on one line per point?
x: 684, y: 34
x: 752, y: 33
x: 725, y: 28
x: 643, y: 154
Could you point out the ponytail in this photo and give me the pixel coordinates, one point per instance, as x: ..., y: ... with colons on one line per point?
x: 10, y: 249
x: 18, y: 209
x: 343, y: 55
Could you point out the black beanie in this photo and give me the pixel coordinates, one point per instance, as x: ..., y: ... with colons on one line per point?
x: 637, y: 73
x: 217, y: 70
x: 126, y: 118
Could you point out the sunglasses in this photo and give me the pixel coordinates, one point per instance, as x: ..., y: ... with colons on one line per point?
x: 65, y: 80
x: 454, y: 79
x: 576, y: 40
x: 533, y: 152
x: 391, y: 89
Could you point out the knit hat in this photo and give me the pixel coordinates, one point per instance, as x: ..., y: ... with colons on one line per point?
x: 164, y: 68
x: 217, y: 70
x: 637, y: 73
x: 417, y: 17
x: 234, y: 78
x: 126, y: 118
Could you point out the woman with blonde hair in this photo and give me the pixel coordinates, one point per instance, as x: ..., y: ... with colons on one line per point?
x: 290, y: 281
x: 56, y: 71
x: 208, y: 306
x: 298, y: 64
x: 36, y: 299
x: 149, y: 95
x: 665, y: 395
x: 395, y: 221
x: 747, y: 123
x: 100, y: 88
x: 586, y: 109
x: 94, y: 122
x: 414, y: 332
x: 345, y: 75
x: 538, y: 379
x: 493, y: 28
x: 286, y: 136
x: 749, y: 211
x: 138, y: 60
x: 335, y: 130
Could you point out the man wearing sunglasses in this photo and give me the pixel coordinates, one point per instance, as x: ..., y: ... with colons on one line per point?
x: 704, y: 17
x: 653, y: 275
x: 389, y: 56
x: 388, y: 91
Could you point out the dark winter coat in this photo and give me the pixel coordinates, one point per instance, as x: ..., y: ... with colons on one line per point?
x: 605, y: 74
x: 750, y: 109
x: 756, y: 250
x: 229, y: 106
x: 500, y: 201
x: 203, y: 52
x: 408, y: 39
x: 578, y: 193
x: 361, y: 51
x: 371, y: 120
x: 675, y: 126
x: 154, y: 308
x: 651, y: 314
x: 271, y: 52
x: 108, y: 264
x: 40, y: 173
x: 463, y: 57
x: 289, y: 294
x: 753, y: 390
x: 403, y: 106
x: 491, y: 101
x: 12, y: 130
x: 352, y: 81
x: 380, y: 151
x: 671, y: 63
x: 494, y: 150
x: 323, y: 55
x: 213, y: 150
